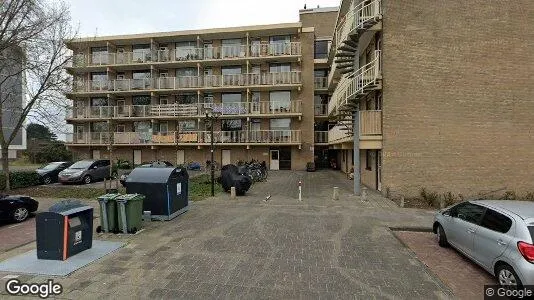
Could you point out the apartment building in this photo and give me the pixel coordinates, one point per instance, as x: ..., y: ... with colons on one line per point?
x: 144, y: 97
x: 441, y: 93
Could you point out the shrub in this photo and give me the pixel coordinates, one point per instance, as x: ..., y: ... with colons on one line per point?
x: 449, y: 199
x: 529, y: 196
x: 20, y: 179
x: 509, y: 195
x: 431, y: 198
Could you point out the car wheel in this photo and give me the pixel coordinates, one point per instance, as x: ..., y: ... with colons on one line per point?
x: 87, y: 179
x: 47, y: 180
x: 20, y: 214
x: 442, y: 238
x: 507, y: 276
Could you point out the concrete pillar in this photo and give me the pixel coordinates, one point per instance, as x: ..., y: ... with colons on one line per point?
x: 335, y: 195
x: 232, y: 193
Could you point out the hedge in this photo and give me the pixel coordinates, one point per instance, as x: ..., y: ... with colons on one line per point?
x: 20, y: 179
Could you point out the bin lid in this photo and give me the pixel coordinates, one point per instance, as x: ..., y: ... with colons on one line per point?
x: 154, y: 175
x: 65, y: 205
x: 109, y: 196
x: 131, y: 197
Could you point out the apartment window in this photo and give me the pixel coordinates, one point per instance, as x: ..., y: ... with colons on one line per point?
x: 368, y: 160
x: 186, y: 72
x: 100, y: 101
x: 162, y: 127
x: 232, y: 48
x: 232, y: 125
x: 231, y: 70
x: 141, y: 74
x: 279, y: 45
x: 189, y: 125
x: 279, y: 39
x: 231, y: 97
x: 280, y: 100
x: 321, y: 49
x: 208, y: 98
x: 121, y: 128
x: 186, y: 98
x: 141, y: 53
x: 141, y: 100
x: 255, y: 124
x: 255, y: 47
x: 186, y: 50
x: 280, y: 124
x: 99, y: 127
x: 143, y: 126
x: 99, y: 76
x: 320, y: 73
x: 99, y: 55
x: 278, y: 68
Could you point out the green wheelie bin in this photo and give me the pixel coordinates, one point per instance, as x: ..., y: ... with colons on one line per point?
x: 108, y: 213
x: 130, y: 214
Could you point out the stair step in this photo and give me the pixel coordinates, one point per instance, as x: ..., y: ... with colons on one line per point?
x: 345, y: 54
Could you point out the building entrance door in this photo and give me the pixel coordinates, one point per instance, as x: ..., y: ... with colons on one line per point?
x: 275, y: 160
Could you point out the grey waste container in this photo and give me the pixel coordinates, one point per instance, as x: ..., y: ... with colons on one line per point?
x: 63, y: 231
x: 165, y: 190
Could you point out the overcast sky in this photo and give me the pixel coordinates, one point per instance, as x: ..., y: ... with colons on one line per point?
x: 112, y: 17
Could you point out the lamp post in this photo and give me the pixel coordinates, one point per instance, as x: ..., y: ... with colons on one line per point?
x: 212, y: 116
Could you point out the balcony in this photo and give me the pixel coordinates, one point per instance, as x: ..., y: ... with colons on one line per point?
x: 209, y: 82
x: 182, y: 54
x: 195, y: 110
x: 321, y: 137
x: 266, y: 137
x: 320, y: 110
x: 370, y: 128
x: 321, y: 83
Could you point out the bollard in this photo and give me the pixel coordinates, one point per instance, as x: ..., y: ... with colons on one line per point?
x: 232, y: 193
x: 364, y: 194
x: 300, y: 190
x: 402, y: 201
x: 335, y: 196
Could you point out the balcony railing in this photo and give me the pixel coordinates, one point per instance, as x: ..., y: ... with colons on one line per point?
x: 370, y: 125
x: 188, y: 54
x: 186, y: 110
x: 181, y: 82
x: 321, y: 137
x: 355, y: 83
x: 188, y: 137
x: 320, y: 109
x: 321, y: 83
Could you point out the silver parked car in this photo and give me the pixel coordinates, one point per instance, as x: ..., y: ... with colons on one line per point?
x: 85, y: 171
x: 496, y: 234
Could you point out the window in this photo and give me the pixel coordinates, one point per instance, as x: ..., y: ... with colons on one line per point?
x: 468, y: 212
x: 368, y: 160
x: 99, y: 101
x: 99, y: 76
x: 141, y: 53
x: 141, y: 100
x: 321, y: 49
x: 231, y: 125
x: 231, y: 70
x: 320, y: 73
x: 186, y: 98
x: 496, y: 221
x: 231, y: 97
x: 99, y: 55
x: 99, y: 127
x: 186, y: 72
x: 190, y: 125
x: 277, y: 68
x: 280, y: 39
x: 280, y: 101
x: 280, y: 124
x: 186, y: 50
x: 141, y: 74
x: 163, y: 127
x: 232, y: 48
x: 142, y: 126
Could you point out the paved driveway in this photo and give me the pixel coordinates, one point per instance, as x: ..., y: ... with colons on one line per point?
x: 279, y: 249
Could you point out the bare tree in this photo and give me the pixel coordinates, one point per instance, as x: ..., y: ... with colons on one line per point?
x: 33, y: 56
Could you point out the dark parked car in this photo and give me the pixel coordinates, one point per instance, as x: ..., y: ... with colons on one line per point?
x: 85, y: 171
x: 50, y: 172
x: 153, y: 164
x: 17, y: 208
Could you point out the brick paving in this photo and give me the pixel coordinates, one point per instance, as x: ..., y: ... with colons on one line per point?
x: 255, y: 249
x: 464, y: 277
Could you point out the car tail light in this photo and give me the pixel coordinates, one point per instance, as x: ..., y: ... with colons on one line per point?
x: 527, y: 250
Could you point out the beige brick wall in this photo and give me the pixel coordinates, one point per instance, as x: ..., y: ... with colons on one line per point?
x: 323, y: 22
x: 458, y: 96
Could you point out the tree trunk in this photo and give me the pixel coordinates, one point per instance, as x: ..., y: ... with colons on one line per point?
x: 5, y: 166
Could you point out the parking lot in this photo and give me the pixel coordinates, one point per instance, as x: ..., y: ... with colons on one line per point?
x: 276, y: 248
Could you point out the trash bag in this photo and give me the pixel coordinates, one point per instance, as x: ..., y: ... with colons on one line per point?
x: 230, y: 177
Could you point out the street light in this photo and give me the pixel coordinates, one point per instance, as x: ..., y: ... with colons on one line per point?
x: 212, y: 116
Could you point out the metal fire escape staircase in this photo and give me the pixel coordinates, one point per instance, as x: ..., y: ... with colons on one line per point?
x: 357, y: 21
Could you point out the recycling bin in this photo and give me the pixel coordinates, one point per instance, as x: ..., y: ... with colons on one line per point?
x: 130, y: 216
x: 66, y: 229
x: 108, y: 213
x: 166, y: 190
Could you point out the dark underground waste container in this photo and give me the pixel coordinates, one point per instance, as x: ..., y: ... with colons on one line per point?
x: 230, y: 177
x: 64, y: 230
x: 165, y: 190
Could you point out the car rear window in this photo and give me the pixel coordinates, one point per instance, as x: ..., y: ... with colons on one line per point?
x: 531, y: 230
